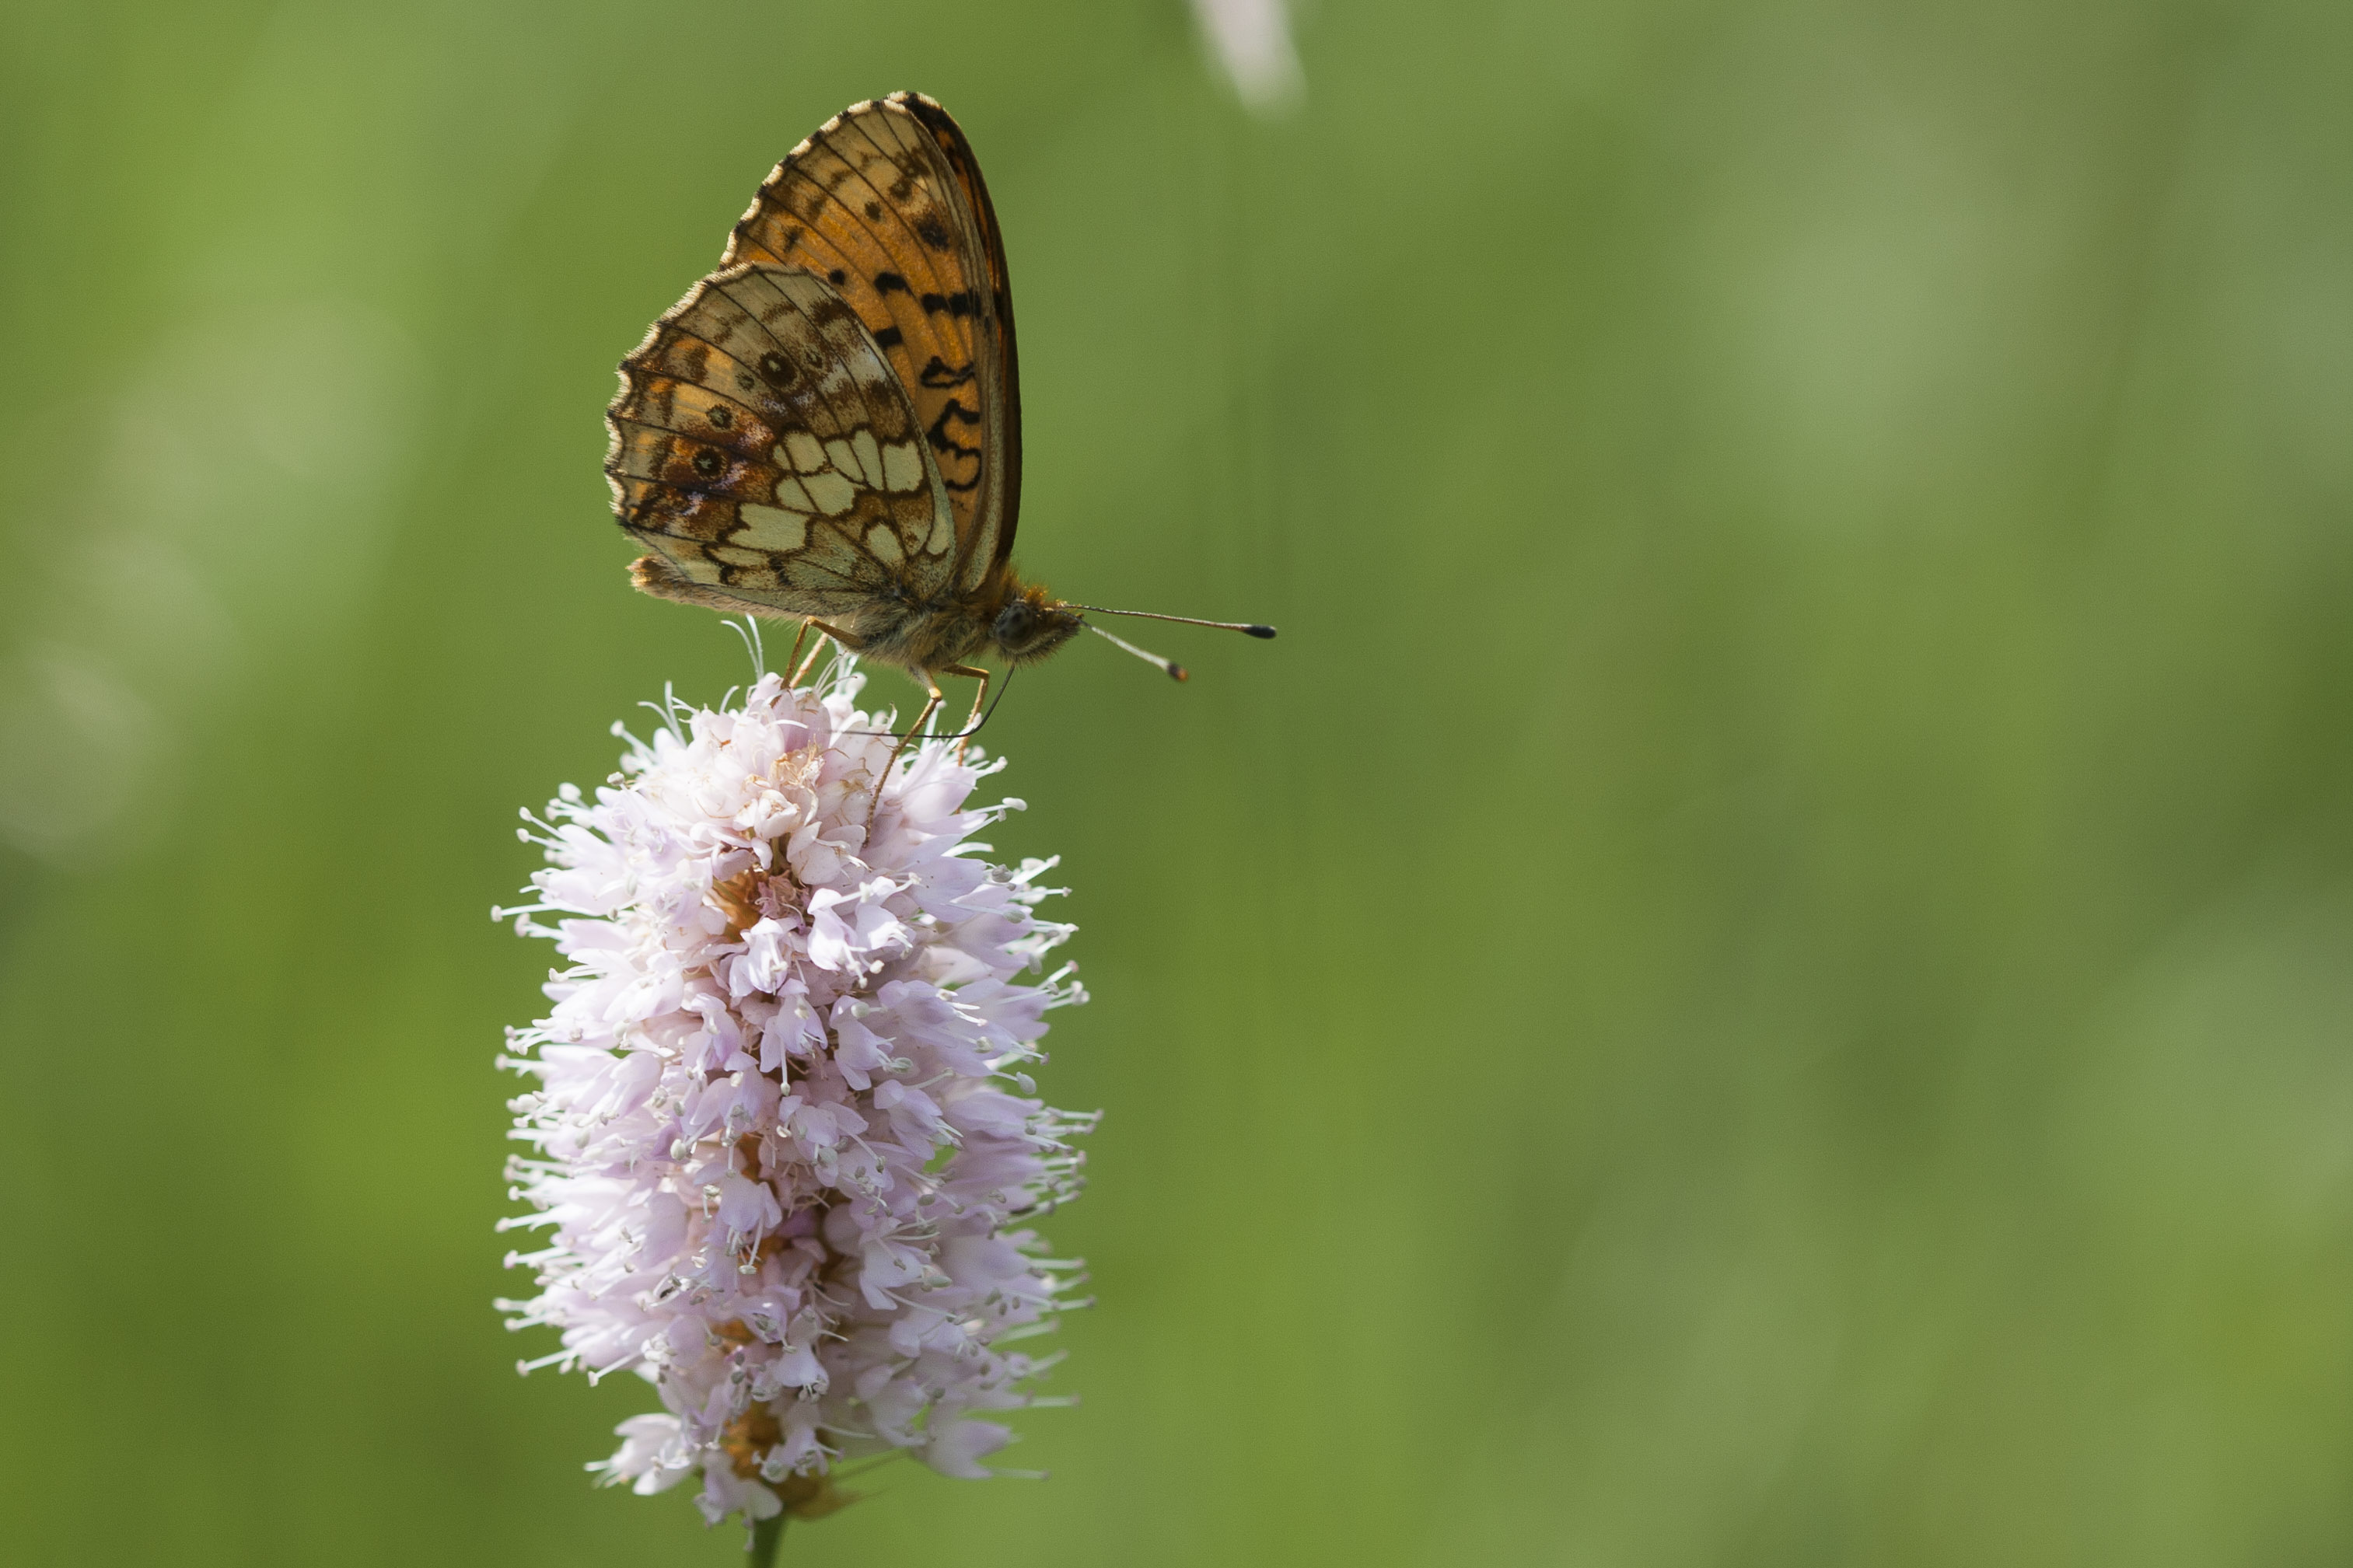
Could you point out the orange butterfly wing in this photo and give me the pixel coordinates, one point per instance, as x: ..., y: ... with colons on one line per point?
x: 885, y: 203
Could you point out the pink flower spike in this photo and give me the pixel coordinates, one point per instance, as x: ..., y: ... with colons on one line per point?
x: 775, y: 1161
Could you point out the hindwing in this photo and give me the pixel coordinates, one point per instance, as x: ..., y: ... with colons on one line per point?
x: 885, y: 203
x: 765, y: 448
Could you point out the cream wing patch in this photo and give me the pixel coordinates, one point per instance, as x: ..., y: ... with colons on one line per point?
x: 903, y: 467
x: 776, y: 527
x: 832, y: 492
x: 804, y: 451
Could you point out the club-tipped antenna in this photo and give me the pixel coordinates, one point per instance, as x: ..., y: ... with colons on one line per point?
x: 1248, y: 628
x: 1168, y: 666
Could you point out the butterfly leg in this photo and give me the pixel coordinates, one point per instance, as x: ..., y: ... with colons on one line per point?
x: 842, y: 637
x: 972, y: 720
x: 792, y: 660
x: 931, y: 707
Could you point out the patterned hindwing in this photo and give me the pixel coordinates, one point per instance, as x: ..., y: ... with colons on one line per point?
x: 885, y: 202
x: 763, y: 446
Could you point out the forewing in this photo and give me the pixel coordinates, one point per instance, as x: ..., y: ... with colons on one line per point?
x: 885, y: 202
x: 763, y: 446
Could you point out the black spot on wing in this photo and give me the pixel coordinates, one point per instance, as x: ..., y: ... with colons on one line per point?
x: 885, y: 282
x: 889, y: 337
x: 936, y: 373
x: 963, y: 303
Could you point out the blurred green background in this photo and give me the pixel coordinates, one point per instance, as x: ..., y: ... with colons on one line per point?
x: 1761, y: 976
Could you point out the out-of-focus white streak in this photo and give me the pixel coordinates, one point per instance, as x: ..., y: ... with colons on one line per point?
x: 1253, y: 38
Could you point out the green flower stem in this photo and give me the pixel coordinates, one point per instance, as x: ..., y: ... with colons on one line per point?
x: 766, y: 1536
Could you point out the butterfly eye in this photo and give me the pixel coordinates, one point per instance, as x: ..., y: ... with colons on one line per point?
x: 720, y: 419
x: 708, y: 462
x: 777, y: 368
x: 1014, y: 623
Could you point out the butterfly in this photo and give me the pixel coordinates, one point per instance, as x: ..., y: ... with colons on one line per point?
x: 828, y: 428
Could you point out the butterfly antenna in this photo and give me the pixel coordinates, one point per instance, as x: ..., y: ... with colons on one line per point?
x: 1168, y: 666
x: 1248, y: 628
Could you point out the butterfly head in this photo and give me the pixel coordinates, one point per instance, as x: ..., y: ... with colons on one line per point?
x: 1033, y: 625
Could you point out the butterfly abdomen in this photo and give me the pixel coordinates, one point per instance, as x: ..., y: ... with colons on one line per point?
x: 920, y: 635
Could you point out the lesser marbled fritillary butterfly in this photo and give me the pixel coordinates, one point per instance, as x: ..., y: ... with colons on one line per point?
x: 828, y: 428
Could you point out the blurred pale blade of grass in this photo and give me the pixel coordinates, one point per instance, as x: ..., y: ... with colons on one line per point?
x: 1759, y: 976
